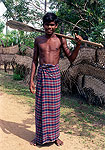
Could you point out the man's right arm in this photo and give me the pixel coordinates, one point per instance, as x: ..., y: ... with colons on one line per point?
x: 34, y: 67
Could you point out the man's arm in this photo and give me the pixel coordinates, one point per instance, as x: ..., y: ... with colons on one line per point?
x: 34, y: 67
x: 71, y: 56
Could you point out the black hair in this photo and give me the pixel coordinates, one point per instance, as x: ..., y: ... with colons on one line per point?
x: 49, y: 17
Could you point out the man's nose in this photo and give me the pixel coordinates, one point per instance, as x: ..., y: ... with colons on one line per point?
x: 49, y: 26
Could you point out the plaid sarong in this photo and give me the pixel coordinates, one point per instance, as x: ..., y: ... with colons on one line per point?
x: 47, y: 109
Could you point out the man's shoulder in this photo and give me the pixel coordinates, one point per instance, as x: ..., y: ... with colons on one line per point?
x: 61, y: 39
x: 39, y: 37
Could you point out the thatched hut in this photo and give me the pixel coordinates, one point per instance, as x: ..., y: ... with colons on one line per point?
x: 86, y: 74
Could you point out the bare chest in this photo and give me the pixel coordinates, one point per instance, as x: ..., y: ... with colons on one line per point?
x: 49, y: 45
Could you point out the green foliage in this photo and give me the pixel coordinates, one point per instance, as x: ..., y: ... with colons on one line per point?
x: 19, y: 72
x: 17, y: 76
x: 1, y: 26
x: 29, y: 39
x: 23, y: 10
x: 19, y: 37
x: 98, y: 33
x: 16, y: 10
x: 10, y: 39
x: 22, y: 49
x: 84, y: 17
x: 26, y: 40
x: 1, y: 38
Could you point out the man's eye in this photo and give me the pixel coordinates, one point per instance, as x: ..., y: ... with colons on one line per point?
x: 49, y: 24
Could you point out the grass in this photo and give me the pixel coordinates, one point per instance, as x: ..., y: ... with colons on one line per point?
x: 14, y: 87
x: 88, y: 117
x: 85, y: 121
x: 77, y: 118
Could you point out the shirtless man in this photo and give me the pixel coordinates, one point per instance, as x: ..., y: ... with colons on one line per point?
x: 47, y: 49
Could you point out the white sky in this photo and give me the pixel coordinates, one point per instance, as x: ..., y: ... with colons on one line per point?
x: 2, y: 10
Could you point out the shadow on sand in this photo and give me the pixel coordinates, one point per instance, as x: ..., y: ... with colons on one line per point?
x: 21, y: 130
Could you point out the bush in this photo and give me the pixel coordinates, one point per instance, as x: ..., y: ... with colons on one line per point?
x: 19, y: 72
x: 22, y: 50
x: 17, y: 77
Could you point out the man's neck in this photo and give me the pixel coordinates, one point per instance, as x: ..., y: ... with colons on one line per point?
x: 49, y: 35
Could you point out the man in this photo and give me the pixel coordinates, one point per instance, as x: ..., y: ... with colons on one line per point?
x: 48, y: 88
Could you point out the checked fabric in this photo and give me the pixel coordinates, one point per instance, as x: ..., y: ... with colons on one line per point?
x: 47, y: 108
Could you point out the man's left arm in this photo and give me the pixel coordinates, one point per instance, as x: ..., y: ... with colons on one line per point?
x: 72, y: 56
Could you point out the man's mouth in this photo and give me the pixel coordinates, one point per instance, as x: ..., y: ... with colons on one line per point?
x: 49, y: 30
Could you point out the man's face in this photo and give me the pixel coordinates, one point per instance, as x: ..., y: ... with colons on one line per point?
x: 50, y: 27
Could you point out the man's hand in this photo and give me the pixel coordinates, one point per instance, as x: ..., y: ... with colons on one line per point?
x: 78, y: 39
x: 32, y: 87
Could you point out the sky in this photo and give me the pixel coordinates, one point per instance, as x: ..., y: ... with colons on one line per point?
x: 2, y: 10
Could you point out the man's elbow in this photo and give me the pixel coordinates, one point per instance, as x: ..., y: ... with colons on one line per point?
x: 71, y: 59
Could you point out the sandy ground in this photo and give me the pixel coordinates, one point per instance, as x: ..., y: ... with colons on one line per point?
x: 18, y: 126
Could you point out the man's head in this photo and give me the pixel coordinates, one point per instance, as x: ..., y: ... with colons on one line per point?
x: 50, y: 23
x: 50, y: 17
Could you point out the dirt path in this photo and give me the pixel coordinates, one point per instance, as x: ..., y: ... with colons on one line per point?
x: 17, y: 128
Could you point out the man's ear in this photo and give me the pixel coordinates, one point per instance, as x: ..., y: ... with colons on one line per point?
x: 56, y: 26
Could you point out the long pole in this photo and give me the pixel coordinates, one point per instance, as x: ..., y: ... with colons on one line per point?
x: 24, y: 27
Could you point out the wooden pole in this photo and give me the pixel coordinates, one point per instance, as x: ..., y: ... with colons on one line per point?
x: 24, y: 27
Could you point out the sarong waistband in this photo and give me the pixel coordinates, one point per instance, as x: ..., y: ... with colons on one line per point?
x: 45, y: 66
x: 49, y: 68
